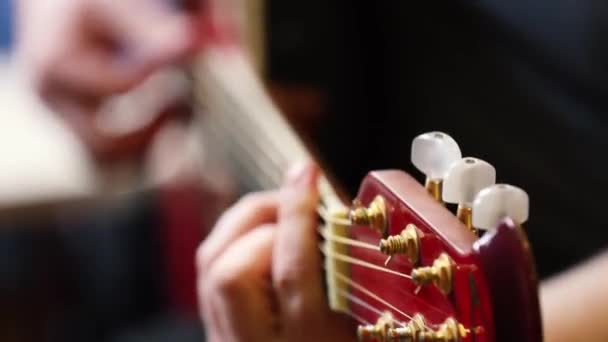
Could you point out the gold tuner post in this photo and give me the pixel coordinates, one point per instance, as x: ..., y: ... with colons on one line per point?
x: 409, y: 333
x: 465, y: 215
x: 439, y: 274
x: 374, y: 216
x: 434, y: 187
x: 407, y: 243
x: 378, y: 331
x: 449, y: 331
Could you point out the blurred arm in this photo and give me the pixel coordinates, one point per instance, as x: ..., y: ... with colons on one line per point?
x: 575, y: 304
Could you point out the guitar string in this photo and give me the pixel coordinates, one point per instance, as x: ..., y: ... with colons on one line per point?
x: 251, y: 95
x: 246, y: 147
x: 359, y: 262
x: 356, y: 317
x: 346, y: 241
x: 371, y: 294
x: 245, y: 126
x: 351, y: 242
x: 262, y: 178
x: 261, y: 164
x: 368, y: 293
x: 322, y: 211
x: 356, y: 300
x: 270, y: 156
x: 237, y: 110
x: 250, y: 114
x: 223, y: 137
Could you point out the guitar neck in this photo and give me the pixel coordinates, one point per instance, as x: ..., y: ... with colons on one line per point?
x: 242, y: 123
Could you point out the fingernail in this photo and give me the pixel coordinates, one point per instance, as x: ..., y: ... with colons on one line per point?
x: 300, y: 174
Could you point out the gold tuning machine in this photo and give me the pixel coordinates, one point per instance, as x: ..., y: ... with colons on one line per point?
x: 449, y: 331
x: 374, y: 216
x: 378, y: 331
x: 440, y: 274
x: 434, y: 187
x: 408, y: 333
x: 407, y: 243
x: 465, y: 215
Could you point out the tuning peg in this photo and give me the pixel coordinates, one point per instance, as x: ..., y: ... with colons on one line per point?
x: 432, y: 154
x: 464, y: 180
x: 496, y: 202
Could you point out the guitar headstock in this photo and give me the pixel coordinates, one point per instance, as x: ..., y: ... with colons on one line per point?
x: 408, y: 269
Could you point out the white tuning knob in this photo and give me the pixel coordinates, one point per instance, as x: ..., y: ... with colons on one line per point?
x: 433, y: 153
x: 465, y: 179
x: 496, y: 202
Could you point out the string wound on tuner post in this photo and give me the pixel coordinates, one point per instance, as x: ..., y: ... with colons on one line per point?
x: 406, y: 243
x: 449, y: 331
x: 440, y: 274
x: 373, y: 216
x: 378, y: 331
x: 409, y: 332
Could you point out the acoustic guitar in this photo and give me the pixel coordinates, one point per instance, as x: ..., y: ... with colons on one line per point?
x: 397, y: 260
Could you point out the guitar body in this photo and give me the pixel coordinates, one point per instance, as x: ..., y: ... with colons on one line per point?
x: 494, y: 290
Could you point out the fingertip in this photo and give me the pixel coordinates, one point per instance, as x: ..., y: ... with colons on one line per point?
x: 302, y: 174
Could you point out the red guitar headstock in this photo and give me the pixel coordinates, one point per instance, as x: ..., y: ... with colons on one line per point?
x: 409, y: 270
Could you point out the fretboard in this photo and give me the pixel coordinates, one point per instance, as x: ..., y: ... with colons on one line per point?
x: 244, y: 125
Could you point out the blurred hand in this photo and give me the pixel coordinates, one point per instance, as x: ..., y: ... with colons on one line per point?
x: 260, y: 273
x: 79, y: 51
x: 84, y: 56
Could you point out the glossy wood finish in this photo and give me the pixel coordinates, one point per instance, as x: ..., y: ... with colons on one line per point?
x: 472, y: 300
x: 509, y: 269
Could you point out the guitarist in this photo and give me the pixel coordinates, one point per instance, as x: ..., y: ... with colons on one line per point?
x: 259, y: 268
